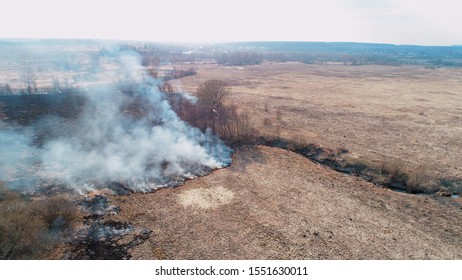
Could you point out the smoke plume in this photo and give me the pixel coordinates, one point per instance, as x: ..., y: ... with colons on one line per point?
x: 126, y: 133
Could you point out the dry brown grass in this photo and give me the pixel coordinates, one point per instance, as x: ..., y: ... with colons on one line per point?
x: 206, y: 198
x: 29, y: 228
x: 213, y: 111
x: 57, y: 212
x: 394, y: 172
x: 268, y: 122
x: 287, y: 207
x: 453, y: 185
x: 297, y: 143
x: 420, y: 181
x: 376, y: 112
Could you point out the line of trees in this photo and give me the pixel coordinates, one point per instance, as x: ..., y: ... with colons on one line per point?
x: 30, y: 87
x: 179, y: 73
x: 214, y: 111
x: 239, y: 58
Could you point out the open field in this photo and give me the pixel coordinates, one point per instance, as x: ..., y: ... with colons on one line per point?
x: 274, y: 204
x: 378, y: 113
x: 271, y: 203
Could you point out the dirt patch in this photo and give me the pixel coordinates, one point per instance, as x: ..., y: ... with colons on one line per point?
x: 205, y: 198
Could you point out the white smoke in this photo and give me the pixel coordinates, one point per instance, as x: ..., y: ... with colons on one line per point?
x: 17, y: 157
x: 144, y: 146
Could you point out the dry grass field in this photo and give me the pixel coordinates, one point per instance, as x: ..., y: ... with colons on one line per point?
x: 275, y: 204
x: 272, y: 203
x: 379, y: 113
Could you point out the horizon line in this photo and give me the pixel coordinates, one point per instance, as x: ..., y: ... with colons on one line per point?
x: 186, y: 42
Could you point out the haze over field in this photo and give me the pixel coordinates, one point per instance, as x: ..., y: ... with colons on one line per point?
x: 140, y: 142
x: 230, y: 129
x: 383, y: 21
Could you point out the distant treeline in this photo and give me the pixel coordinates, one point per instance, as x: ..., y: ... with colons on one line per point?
x: 30, y: 88
x: 250, y: 53
x: 30, y: 57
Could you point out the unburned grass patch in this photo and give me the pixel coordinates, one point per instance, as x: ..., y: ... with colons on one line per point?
x: 392, y: 175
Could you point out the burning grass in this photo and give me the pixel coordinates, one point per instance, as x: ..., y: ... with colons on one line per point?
x: 124, y: 138
x: 135, y: 140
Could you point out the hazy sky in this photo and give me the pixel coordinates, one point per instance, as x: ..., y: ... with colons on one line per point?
x: 435, y: 22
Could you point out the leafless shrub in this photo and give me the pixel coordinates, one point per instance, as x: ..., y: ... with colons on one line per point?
x: 166, y: 87
x: 393, y: 170
x: 212, y: 93
x: 57, y: 213
x: 21, y: 232
x: 420, y: 181
x: 297, y: 143
x: 30, y: 81
x: 390, y: 174
x: 180, y: 73
x: 28, y: 227
x: 58, y: 87
x: 212, y: 112
x: 5, y: 89
x: 236, y: 130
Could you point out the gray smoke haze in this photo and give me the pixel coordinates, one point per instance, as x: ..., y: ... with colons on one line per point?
x: 17, y: 156
x: 135, y: 139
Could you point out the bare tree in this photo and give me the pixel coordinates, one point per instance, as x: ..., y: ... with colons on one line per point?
x: 213, y: 112
x: 212, y: 93
x: 30, y: 81
x: 5, y: 89
x: 166, y: 87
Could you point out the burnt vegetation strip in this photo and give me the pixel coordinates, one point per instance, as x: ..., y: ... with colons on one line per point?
x: 102, y: 241
x: 212, y: 111
x: 32, y: 227
x: 106, y: 241
x: 389, y: 175
x: 102, y: 238
x: 26, y: 109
